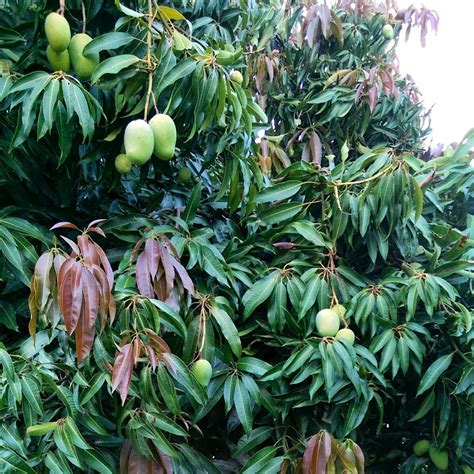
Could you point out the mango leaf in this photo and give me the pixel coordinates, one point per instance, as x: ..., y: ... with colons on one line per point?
x: 107, y: 42
x: 243, y: 405
x: 433, y: 373
x: 228, y: 329
x: 258, y: 293
x: 257, y: 463
x: 278, y: 192
x: 113, y: 66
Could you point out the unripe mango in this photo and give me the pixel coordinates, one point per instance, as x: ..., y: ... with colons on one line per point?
x: 236, y: 76
x: 83, y: 66
x: 327, y: 323
x: 421, y: 447
x: 184, y: 174
x: 202, y: 370
x: 346, y: 334
x: 340, y: 310
x: 57, y: 31
x: 138, y: 141
x: 122, y: 163
x: 59, y: 61
x: 42, y: 429
x: 387, y: 32
x: 439, y: 457
x: 164, y: 133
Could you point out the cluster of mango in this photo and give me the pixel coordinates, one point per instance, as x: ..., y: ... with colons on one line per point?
x: 63, y: 50
x: 328, y: 322
x: 142, y: 139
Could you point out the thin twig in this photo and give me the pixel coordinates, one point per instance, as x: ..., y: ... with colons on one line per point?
x: 149, y: 40
x: 62, y: 7
x: 361, y: 181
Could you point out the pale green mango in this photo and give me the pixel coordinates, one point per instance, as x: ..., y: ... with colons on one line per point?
x: 164, y: 132
x: 59, y: 61
x: 57, y: 31
x: 83, y: 66
x: 138, y: 141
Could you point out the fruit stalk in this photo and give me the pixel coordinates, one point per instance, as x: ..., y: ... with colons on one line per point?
x: 84, y: 17
x: 149, y: 39
x: 62, y: 7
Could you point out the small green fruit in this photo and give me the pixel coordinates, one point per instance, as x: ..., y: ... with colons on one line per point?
x: 346, y: 334
x: 466, y: 469
x: 236, y: 76
x: 340, y: 310
x: 59, y: 61
x: 387, y: 32
x: 57, y: 31
x: 184, y: 174
x: 164, y: 133
x: 42, y: 429
x: 122, y: 164
x: 83, y: 66
x: 439, y: 457
x: 202, y: 370
x: 138, y: 141
x: 421, y: 447
x: 327, y: 322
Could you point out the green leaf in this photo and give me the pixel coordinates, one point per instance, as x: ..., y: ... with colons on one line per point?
x: 250, y: 441
x: 181, y: 70
x: 434, y: 371
x: 94, y: 386
x: 228, y: 329
x: 278, y: 192
x: 281, y: 212
x: 309, y: 296
x: 193, y: 203
x: 7, y: 316
x: 308, y: 231
x: 50, y: 97
x: 113, y: 66
x: 96, y: 461
x: 167, y: 390
x: 259, y: 460
x: 82, y: 111
x: 253, y: 366
x: 31, y: 393
x: 425, y: 407
x: 107, y: 42
x: 243, y: 405
x: 258, y: 293
x: 13, y: 463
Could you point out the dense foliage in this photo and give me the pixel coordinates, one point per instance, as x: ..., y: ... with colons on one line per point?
x: 307, y: 189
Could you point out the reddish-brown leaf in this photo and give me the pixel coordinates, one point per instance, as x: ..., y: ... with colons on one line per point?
x: 104, y: 293
x: 137, y: 345
x: 136, y: 249
x: 137, y: 464
x: 316, y: 148
x: 84, y: 338
x: 316, y: 454
x: 157, y: 342
x: 74, y: 247
x: 159, y: 285
x: 63, y: 225
x: 184, y: 277
x: 168, y: 267
x: 170, y: 246
x: 97, y: 230
x: 104, y: 261
x: 124, y: 457
x: 122, y: 372
x: 360, y: 459
x: 71, y: 296
x: 152, y: 251
x: 143, y: 276
x: 86, y: 251
x: 163, y: 463
x: 151, y: 356
x: 90, y: 293
x: 93, y: 223
x: 57, y: 262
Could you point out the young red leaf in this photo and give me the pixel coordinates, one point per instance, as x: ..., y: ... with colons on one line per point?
x: 91, y: 297
x: 152, y: 251
x: 84, y: 338
x: 63, y: 225
x: 317, y: 453
x: 73, y: 246
x: 122, y: 371
x: 143, y: 276
x: 93, y: 223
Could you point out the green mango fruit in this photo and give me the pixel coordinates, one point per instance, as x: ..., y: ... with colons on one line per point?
x: 59, y: 61
x: 346, y: 334
x: 57, y: 31
x: 236, y: 76
x: 42, y: 429
x: 327, y: 322
x: 138, y: 141
x: 387, y: 32
x: 202, y: 370
x: 184, y: 174
x: 164, y: 133
x: 340, y: 310
x: 122, y: 164
x: 83, y: 66
x: 421, y: 447
x: 439, y: 457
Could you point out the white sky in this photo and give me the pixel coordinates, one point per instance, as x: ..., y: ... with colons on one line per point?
x: 444, y: 70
